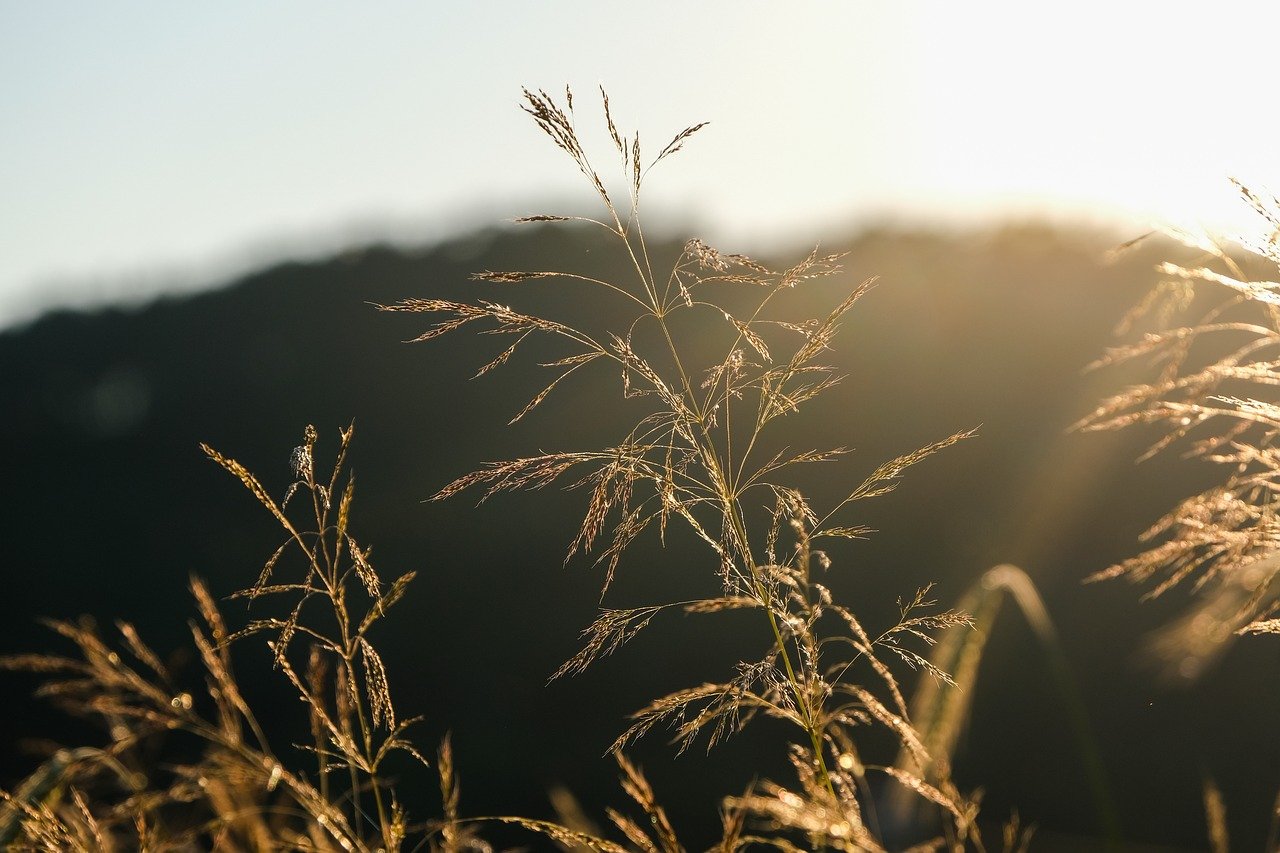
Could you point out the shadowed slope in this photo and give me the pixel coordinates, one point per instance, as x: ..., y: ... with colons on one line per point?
x: 108, y: 504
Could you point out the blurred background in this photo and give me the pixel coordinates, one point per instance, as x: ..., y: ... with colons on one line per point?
x: 200, y: 206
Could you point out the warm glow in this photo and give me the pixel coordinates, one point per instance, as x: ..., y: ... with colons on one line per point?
x: 145, y: 147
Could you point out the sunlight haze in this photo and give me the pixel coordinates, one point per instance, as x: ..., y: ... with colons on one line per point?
x: 149, y: 147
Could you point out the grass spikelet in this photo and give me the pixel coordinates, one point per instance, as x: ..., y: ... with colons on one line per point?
x: 543, y: 217
x: 632, y: 831
x: 613, y: 129
x: 251, y: 483
x: 709, y: 352
x: 364, y: 570
x: 376, y: 680
x: 455, y: 835
x: 609, y: 632
x: 396, y: 592
x: 716, y: 605
x: 926, y: 790
x: 638, y: 788
x: 238, y: 794
x: 679, y: 140
x: 1220, y: 408
x: 143, y: 652
x: 511, y: 277
x: 570, y: 838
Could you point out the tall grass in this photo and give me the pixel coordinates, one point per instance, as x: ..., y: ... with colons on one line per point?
x: 230, y: 789
x: 1212, y: 339
x: 715, y: 360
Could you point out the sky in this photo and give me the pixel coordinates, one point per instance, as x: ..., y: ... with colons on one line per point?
x: 152, y: 147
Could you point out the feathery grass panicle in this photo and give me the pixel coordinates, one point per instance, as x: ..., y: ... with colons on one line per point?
x: 563, y: 836
x: 1212, y: 395
x: 695, y: 453
x: 238, y: 793
x: 451, y: 834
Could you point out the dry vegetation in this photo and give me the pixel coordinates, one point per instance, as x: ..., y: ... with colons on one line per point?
x: 714, y: 363
x: 695, y: 456
x: 237, y: 792
x: 1210, y: 396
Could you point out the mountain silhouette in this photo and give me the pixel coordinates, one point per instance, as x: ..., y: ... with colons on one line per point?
x: 109, y: 506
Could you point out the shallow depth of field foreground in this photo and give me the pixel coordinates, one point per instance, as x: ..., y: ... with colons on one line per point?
x: 580, y: 532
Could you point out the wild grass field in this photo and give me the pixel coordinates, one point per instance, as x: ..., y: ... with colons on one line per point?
x: 822, y: 544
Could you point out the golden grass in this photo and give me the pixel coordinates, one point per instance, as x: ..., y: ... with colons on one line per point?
x: 239, y: 793
x: 694, y: 455
x: 1213, y: 377
x: 701, y: 452
x: 1213, y: 396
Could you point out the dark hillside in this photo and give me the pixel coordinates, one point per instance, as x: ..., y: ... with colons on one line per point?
x: 108, y: 505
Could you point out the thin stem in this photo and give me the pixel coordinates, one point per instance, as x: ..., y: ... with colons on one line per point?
x: 802, y: 701
x: 615, y: 288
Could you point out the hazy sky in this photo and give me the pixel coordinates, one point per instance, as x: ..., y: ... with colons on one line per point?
x: 154, y: 145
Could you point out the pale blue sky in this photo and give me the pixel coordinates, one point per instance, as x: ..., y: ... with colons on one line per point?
x: 152, y: 146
